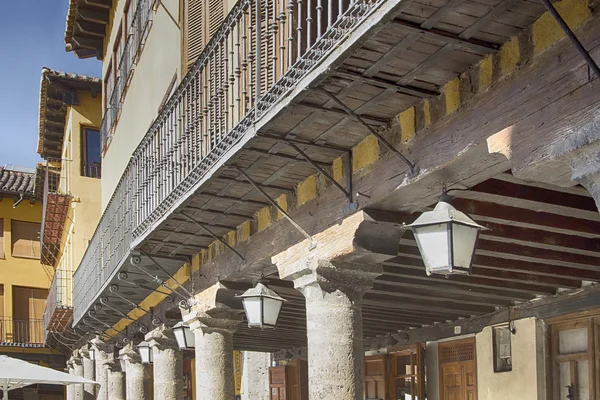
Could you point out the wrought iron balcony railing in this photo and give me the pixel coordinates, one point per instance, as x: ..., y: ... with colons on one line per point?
x: 23, y: 331
x: 261, y: 51
x: 139, y: 20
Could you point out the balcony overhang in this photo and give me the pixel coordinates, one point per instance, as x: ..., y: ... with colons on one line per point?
x: 86, y: 27
x: 395, y: 55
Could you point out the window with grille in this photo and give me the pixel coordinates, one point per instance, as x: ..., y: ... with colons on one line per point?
x: 91, y: 150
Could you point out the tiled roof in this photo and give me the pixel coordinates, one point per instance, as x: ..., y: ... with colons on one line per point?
x: 75, y: 81
x: 14, y: 181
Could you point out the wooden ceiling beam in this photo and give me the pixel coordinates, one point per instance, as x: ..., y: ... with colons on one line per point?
x: 384, y: 83
x: 104, y: 4
x: 438, y: 286
x: 478, y: 46
x: 87, y: 43
x: 94, y: 15
x: 468, y: 281
x: 91, y: 28
x: 451, y: 308
x: 527, y: 218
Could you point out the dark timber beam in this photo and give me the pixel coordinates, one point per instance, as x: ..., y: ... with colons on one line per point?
x: 404, y: 89
x: 87, y: 43
x: 478, y: 46
x: 97, y: 16
x: 91, y: 28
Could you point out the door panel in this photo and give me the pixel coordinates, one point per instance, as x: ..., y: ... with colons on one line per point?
x: 458, y: 370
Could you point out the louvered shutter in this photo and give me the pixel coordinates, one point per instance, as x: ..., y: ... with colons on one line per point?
x: 216, y: 14
x: 195, y: 27
x: 268, y: 37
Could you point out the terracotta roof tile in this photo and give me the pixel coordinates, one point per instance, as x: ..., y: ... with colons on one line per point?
x: 16, y: 182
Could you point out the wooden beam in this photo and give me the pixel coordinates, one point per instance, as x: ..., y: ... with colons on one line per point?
x: 441, y: 13
x: 432, y: 59
x: 402, y: 45
x: 378, y: 82
x: 315, y: 107
x: 487, y: 18
x: 91, y: 28
x: 528, y: 218
x: 450, y: 308
x: 97, y: 16
x: 86, y: 43
x: 565, y: 303
x: 478, y: 46
x: 393, y: 271
x: 105, y: 4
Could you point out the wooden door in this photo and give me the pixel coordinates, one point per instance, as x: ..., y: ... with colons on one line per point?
x: 278, y: 382
x: 376, y: 377
x: 297, y: 377
x: 458, y: 370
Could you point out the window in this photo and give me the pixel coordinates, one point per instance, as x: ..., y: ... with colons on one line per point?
x: 1, y: 238
x: 25, y: 239
x: 202, y: 19
x: 91, y: 148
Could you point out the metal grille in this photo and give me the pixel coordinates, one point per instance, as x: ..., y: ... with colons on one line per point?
x: 456, y: 351
x: 257, y: 56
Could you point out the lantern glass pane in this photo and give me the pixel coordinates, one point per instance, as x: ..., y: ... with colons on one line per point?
x: 253, y: 308
x: 434, y: 246
x: 463, y: 241
x: 180, y: 337
x: 271, y: 309
x: 190, y: 338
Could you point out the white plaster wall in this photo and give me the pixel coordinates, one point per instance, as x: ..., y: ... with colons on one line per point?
x: 526, y: 380
x: 160, y: 60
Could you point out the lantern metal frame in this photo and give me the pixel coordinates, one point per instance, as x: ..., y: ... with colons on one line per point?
x: 261, y: 291
x: 145, y: 346
x: 184, y: 329
x: 452, y: 217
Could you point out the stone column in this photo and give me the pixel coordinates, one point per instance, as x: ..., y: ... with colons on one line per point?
x: 70, y: 388
x: 116, y: 380
x: 213, y: 324
x: 89, y: 372
x: 103, y: 354
x: 255, y: 380
x: 333, y: 271
x: 137, y: 377
x: 77, y: 370
x: 168, y: 364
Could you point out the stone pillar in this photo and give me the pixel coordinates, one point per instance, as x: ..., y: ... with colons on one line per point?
x: 116, y: 380
x: 168, y: 364
x: 255, y: 380
x: 89, y: 372
x: 77, y: 363
x: 137, y: 377
x: 103, y: 354
x: 213, y: 324
x: 333, y: 271
x: 70, y: 389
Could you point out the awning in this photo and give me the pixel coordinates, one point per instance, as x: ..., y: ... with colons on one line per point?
x: 15, y: 374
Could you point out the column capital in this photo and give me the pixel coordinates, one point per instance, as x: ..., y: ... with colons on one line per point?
x: 76, y: 358
x: 101, y: 345
x: 130, y: 354
x: 84, y: 352
x: 347, y: 256
x: 162, y: 337
x: 214, y: 309
x: 113, y: 366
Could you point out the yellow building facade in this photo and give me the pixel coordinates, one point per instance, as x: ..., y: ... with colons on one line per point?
x: 69, y: 183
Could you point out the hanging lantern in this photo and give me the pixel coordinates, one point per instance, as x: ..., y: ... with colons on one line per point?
x: 184, y: 336
x: 92, y: 353
x: 145, y: 352
x: 447, y: 239
x: 262, y: 306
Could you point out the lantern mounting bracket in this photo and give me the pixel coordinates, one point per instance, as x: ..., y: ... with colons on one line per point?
x: 124, y: 277
x: 211, y: 233
x: 413, y: 169
x: 276, y: 205
x: 136, y: 261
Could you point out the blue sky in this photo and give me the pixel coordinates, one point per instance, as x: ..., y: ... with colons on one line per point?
x: 31, y: 37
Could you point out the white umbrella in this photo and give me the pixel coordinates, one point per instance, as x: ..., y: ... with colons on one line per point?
x: 15, y: 374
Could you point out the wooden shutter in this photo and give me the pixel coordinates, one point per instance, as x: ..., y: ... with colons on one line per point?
x: 1, y: 238
x: 25, y: 239
x: 216, y: 14
x: 1, y: 304
x: 194, y: 29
